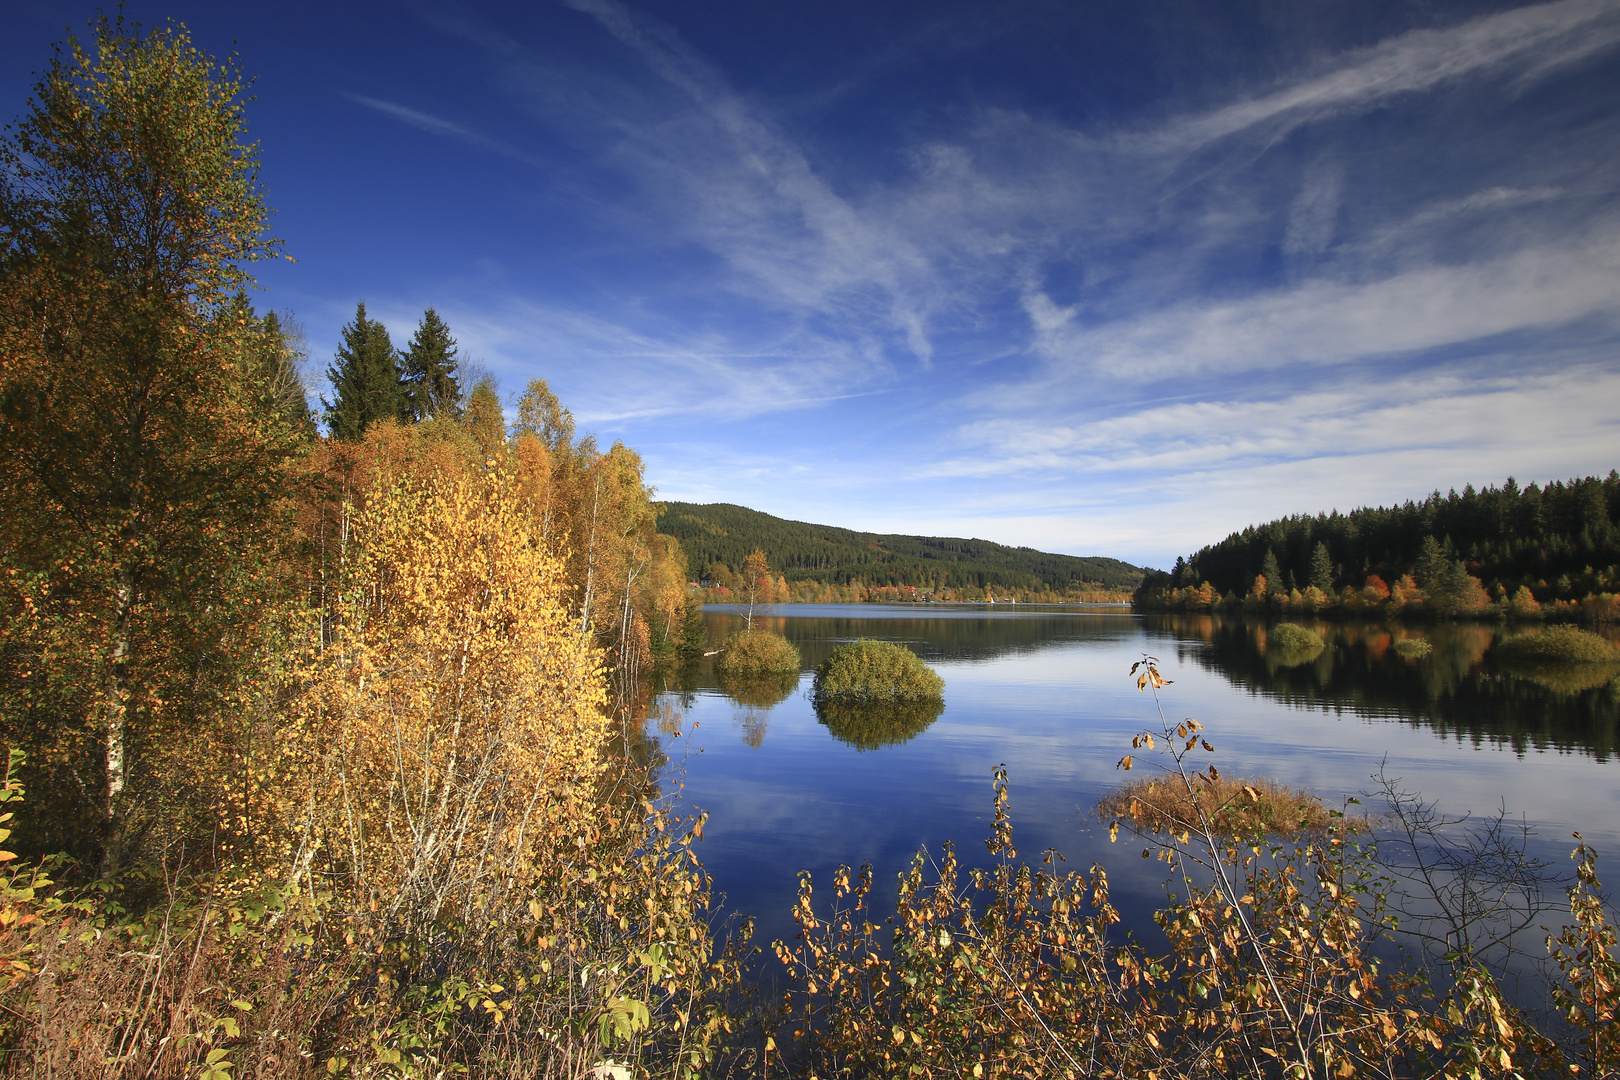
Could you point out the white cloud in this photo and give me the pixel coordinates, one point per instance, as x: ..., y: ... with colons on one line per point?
x: 1323, y: 322
x: 1540, y: 38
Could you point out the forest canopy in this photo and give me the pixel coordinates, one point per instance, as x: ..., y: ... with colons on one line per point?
x: 1524, y: 547
x: 724, y: 533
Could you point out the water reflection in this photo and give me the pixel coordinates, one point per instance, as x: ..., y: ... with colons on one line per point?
x: 871, y: 725
x: 1457, y: 688
x: 1046, y: 692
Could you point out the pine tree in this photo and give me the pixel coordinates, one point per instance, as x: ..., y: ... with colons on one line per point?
x: 429, y: 370
x: 366, y: 379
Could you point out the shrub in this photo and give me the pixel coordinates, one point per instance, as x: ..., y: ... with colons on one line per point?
x: 750, y: 653
x: 1412, y: 648
x: 876, y: 671
x: 1569, y: 644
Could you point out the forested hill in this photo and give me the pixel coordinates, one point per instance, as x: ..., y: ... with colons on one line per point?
x: 1561, y: 541
x: 723, y: 533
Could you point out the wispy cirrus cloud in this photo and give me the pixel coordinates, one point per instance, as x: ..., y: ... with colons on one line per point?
x: 435, y: 125
x: 1242, y: 287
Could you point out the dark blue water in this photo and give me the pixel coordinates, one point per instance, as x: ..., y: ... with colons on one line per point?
x: 1047, y: 692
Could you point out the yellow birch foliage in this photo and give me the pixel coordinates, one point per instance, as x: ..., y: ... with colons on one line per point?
x: 452, y: 714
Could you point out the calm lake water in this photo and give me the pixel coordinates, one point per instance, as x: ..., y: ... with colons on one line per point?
x: 1046, y: 691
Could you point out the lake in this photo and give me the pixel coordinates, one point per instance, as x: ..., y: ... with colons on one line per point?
x: 1046, y: 691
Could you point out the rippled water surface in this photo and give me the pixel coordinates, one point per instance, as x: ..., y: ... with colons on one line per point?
x: 1045, y: 690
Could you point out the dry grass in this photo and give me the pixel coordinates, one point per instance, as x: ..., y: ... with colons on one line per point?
x: 1233, y: 806
x: 1412, y: 648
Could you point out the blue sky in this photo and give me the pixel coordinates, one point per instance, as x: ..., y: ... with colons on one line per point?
x: 1101, y: 278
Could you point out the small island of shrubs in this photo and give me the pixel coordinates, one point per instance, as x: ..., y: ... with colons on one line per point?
x: 874, y: 671
x: 1559, y: 644
x: 748, y: 654
x: 1294, y: 642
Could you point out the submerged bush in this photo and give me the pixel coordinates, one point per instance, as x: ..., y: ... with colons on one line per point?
x: 750, y: 653
x: 1232, y: 806
x: 1569, y: 644
x: 1293, y: 638
x: 1412, y: 648
x: 869, y: 670
x: 869, y: 725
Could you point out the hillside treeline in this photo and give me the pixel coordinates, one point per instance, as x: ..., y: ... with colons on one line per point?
x: 717, y: 537
x: 1526, y: 551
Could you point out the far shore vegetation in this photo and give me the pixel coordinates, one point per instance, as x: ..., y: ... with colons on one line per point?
x: 1532, y: 553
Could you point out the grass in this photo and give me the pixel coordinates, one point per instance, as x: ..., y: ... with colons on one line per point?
x: 1564, y: 644
x: 751, y: 653
x: 871, y: 725
x: 1233, y: 806
x: 1413, y: 647
x: 866, y: 671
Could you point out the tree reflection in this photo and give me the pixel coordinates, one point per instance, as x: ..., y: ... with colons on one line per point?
x: 755, y: 696
x: 1458, y: 688
x: 870, y: 725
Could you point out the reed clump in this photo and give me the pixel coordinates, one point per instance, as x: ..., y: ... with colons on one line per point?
x: 751, y: 653
x: 1559, y: 644
x: 1293, y: 641
x: 1412, y: 648
x: 869, y: 670
x: 1232, y: 806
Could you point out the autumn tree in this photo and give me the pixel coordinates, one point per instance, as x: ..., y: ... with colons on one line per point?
x: 754, y: 585
x: 142, y: 461
x: 277, y: 357
x: 365, y: 378
x: 540, y: 414
x: 484, y: 419
x: 428, y: 370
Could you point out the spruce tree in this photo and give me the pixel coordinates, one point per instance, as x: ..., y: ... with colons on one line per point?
x: 429, y: 370
x: 1272, y: 572
x: 1322, y: 568
x: 366, y: 379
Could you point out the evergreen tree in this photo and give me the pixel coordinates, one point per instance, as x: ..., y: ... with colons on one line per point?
x: 365, y: 378
x: 429, y: 370
x: 1322, y: 568
x: 1272, y: 572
